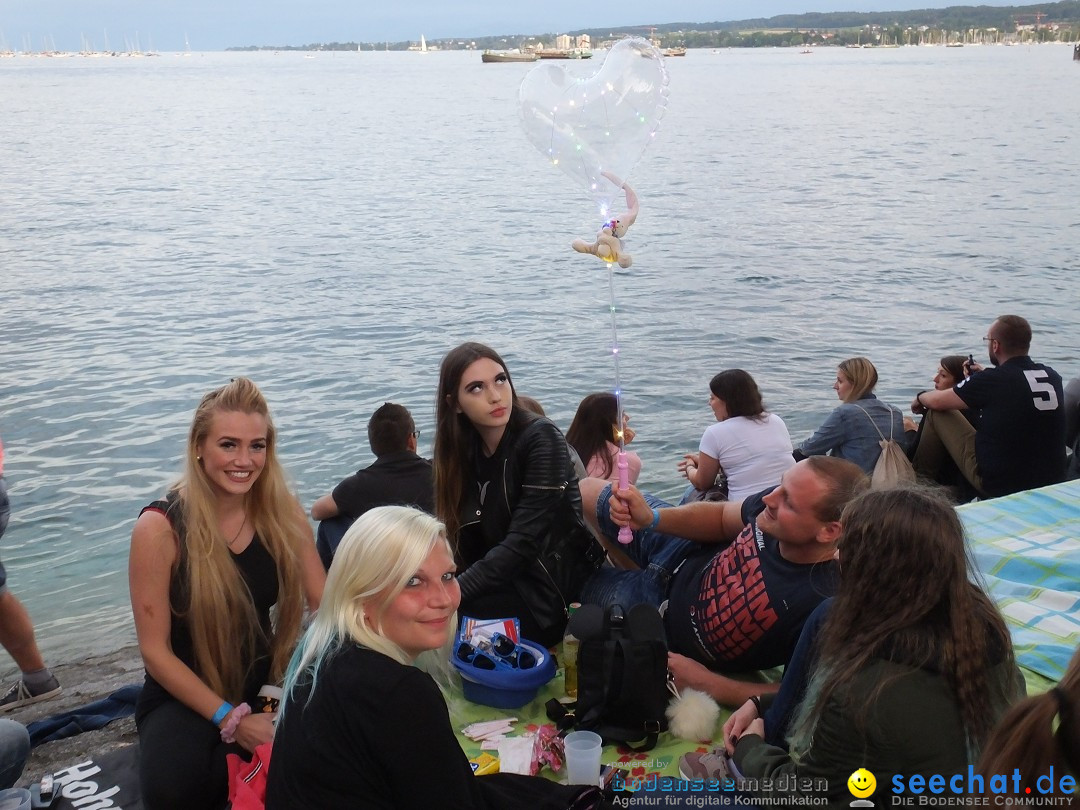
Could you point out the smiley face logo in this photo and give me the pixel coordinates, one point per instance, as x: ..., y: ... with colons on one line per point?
x: 861, y: 783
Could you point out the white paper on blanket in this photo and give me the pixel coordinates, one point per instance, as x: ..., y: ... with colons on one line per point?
x: 489, y: 728
x: 516, y: 754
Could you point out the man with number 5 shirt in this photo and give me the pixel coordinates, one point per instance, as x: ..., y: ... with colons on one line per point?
x: 1018, y: 440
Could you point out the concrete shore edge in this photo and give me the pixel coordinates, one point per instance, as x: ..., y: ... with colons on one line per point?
x: 83, y: 682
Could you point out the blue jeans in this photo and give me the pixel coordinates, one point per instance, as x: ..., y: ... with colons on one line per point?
x: 14, y: 751
x: 329, y: 537
x: 658, y: 555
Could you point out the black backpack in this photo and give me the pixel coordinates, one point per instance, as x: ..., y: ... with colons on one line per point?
x: 622, y: 673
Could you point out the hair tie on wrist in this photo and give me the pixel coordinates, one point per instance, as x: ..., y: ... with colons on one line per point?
x: 918, y: 398
x: 238, y: 714
x: 757, y: 704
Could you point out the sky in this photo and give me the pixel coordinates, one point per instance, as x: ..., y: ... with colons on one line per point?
x: 217, y: 24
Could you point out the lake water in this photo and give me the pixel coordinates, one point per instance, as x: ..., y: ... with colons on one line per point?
x: 330, y: 226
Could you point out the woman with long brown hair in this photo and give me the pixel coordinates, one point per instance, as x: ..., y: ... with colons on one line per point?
x: 748, y: 445
x: 207, y: 564
x: 914, y: 663
x: 594, y: 434
x: 506, y: 490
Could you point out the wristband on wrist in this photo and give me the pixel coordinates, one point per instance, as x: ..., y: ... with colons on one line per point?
x: 229, y: 729
x: 220, y: 714
x: 757, y: 704
x: 918, y: 398
x: 655, y: 519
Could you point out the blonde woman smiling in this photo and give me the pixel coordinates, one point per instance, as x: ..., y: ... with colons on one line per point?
x: 207, y: 564
x: 361, y: 726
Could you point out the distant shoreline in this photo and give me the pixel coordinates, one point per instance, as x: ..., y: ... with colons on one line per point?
x: 953, y: 23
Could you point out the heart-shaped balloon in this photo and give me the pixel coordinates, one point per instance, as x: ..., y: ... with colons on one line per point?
x: 597, y: 126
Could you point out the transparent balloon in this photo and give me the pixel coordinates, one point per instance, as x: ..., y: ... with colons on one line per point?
x: 596, y: 128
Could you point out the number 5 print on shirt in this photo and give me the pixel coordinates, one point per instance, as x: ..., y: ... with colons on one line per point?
x: 1045, y: 398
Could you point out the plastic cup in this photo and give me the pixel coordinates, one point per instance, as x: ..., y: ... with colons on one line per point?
x: 583, y: 758
x: 15, y: 799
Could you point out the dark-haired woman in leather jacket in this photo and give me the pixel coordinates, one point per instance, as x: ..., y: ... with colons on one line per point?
x: 506, y: 489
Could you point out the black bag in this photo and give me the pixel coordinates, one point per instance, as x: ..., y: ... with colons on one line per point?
x: 622, y: 673
x: 111, y: 780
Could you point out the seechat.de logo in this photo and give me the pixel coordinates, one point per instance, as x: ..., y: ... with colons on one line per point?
x: 861, y: 784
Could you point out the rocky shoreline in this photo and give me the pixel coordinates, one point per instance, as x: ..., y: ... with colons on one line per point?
x: 83, y: 682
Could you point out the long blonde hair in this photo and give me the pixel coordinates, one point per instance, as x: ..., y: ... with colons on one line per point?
x: 378, y: 554
x: 219, y: 609
x: 862, y: 374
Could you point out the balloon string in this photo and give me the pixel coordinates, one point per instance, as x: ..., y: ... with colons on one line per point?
x: 615, y: 355
x: 625, y: 535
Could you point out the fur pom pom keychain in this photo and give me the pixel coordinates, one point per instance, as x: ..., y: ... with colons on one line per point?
x: 691, y: 714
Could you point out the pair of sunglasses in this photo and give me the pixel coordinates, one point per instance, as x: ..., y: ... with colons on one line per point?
x: 515, y: 654
x: 499, y: 653
x: 468, y: 654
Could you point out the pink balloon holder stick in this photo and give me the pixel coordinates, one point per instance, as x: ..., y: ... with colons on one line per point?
x: 625, y: 533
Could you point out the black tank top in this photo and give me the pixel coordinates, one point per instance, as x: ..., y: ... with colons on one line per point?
x: 259, y: 573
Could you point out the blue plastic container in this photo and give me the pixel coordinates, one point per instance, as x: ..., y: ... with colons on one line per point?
x: 507, y: 688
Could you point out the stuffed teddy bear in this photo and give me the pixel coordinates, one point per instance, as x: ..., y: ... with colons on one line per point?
x: 608, y: 244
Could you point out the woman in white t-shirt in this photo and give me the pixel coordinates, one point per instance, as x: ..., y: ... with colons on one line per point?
x: 749, y: 445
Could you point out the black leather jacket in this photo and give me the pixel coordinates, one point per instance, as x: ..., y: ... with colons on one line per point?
x: 527, y: 532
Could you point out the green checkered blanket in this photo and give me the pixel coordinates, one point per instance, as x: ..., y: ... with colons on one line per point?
x: 1027, y: 547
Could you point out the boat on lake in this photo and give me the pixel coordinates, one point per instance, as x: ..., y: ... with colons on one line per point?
x: 508, y: 56
x: 674, y: 51
x: 561, y: 53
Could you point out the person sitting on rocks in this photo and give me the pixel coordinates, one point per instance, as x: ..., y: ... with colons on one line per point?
x: 1072, y: 426
x: 208, y: 562
x: 740, y: 578
x: 594, y: 434
x: 399, y: 477
x: 910, y: 643
x: 748, y: 445
x: 951, y: 369
x: 36, y: 682
x: 854, y: 429
x: 1018, y: 442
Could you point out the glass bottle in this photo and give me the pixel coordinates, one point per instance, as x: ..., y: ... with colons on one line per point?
x: 570, y: 656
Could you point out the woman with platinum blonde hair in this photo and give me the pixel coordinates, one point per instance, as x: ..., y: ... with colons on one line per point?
x: 359, y: 724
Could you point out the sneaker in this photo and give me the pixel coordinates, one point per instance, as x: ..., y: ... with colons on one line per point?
x: 708, y: 765
x: 20, y: 694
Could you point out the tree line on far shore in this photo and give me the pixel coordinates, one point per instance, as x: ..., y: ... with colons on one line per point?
x: 1044, y: 22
